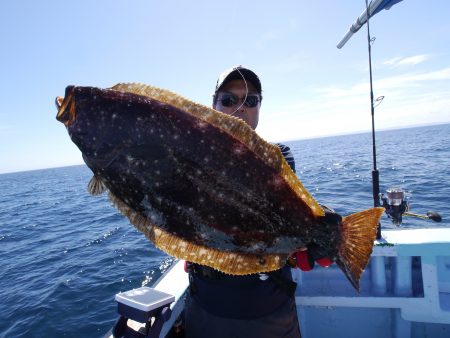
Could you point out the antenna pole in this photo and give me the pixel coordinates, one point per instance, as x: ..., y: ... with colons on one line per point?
x: 375, y: 173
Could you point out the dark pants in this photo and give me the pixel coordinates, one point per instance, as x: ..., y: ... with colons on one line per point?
x: 282, y: 322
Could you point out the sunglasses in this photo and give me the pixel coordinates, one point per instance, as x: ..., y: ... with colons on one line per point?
x: 230, y: 100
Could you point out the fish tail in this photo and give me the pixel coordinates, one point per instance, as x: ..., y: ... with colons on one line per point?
x: 359, y: 231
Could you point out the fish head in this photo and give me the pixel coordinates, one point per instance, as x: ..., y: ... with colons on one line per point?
x: 93, y: 120
x: 65, y: 106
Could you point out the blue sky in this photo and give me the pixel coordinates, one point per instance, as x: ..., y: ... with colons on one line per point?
x: 311, y: 88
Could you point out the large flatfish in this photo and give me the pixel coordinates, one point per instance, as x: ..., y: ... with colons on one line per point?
x: 202, y: 185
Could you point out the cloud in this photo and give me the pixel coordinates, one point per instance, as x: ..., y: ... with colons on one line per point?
x: 407, y: 61
x: 334, y: 92
x: 411, y: 99
x: 412, y: 79
x: 392, y: 61
x: 393, y: 82
x: 342, y: 116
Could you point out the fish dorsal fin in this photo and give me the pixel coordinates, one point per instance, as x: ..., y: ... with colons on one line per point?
x: 96, y: 186
x: 234, y: 126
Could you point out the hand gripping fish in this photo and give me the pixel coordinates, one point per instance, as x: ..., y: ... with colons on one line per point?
x: 202, y: 185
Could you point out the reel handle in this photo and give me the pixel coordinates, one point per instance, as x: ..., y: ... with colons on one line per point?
x: 434, y: 216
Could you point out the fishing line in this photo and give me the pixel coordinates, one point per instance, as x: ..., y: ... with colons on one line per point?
x: 246, y: 92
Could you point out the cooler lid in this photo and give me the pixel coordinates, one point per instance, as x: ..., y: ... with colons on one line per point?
x: 144, y: 298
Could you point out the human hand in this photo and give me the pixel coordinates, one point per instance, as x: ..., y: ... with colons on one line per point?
x: 307, y: 257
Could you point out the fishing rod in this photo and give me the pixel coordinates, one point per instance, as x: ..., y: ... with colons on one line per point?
x: 375, y: 172
x: 395, y: 202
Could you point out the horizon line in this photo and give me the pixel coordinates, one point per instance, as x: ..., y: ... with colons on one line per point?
x: 285, y: 140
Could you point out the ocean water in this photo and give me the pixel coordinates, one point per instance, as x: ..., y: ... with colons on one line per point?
x: 65, y: 254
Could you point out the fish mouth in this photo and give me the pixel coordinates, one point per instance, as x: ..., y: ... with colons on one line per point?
x: 83, y: 123
x: 66, y: 107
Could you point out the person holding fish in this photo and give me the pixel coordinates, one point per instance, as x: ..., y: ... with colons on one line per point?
x: 255, y: 305
x: 202, y: 186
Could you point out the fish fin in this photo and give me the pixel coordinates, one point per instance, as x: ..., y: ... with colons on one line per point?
x: 227, y: 262
x: 96, y: 186
x: 295, y: 184
x: 232, y: 263
x: 359, y: 231
x: 234, y: 126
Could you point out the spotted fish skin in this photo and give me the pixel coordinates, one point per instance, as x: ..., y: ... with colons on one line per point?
x: 178, y: 171
x: 195, y: 189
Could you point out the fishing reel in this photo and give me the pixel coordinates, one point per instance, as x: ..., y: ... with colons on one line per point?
x: 396, y: 206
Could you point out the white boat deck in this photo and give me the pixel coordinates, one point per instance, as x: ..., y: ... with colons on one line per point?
x: 405, y: 291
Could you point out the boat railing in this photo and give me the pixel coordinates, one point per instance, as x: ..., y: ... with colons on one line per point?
x: 406, y: 282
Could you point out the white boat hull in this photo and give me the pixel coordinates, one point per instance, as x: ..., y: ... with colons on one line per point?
x: 405, y: 291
